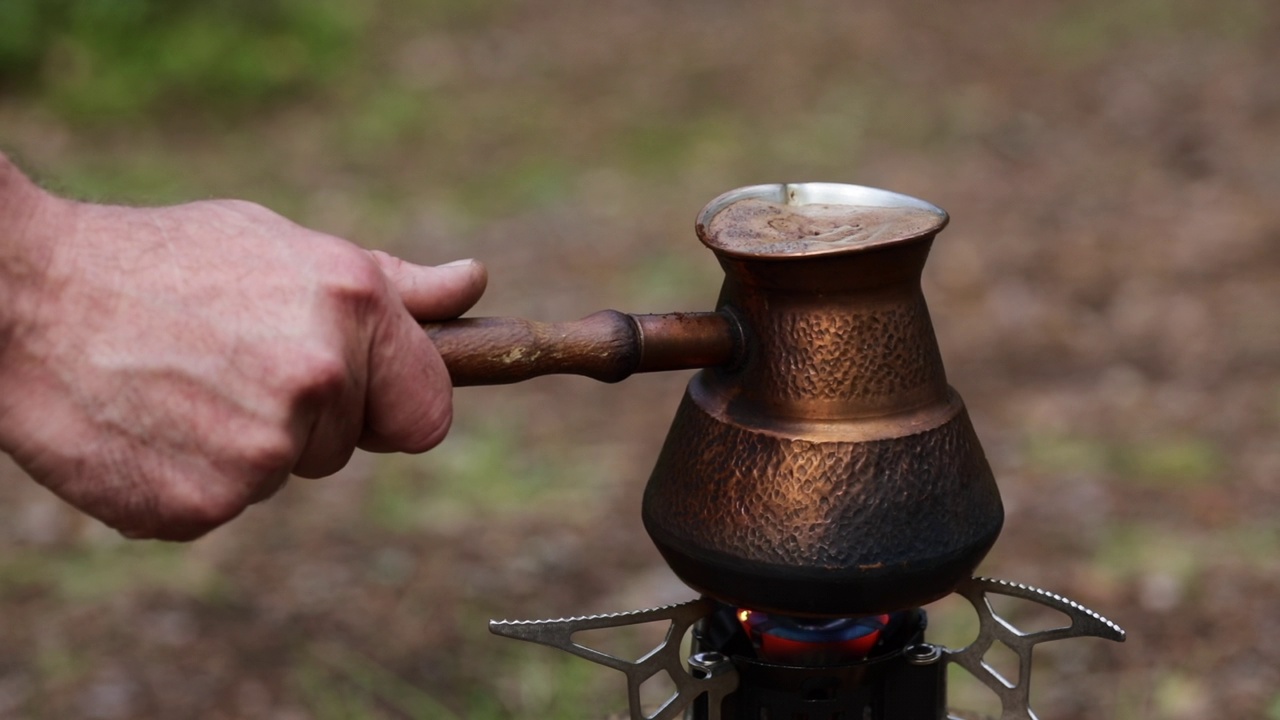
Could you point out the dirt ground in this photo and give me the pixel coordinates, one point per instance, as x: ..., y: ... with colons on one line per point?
x: 1107, y: 300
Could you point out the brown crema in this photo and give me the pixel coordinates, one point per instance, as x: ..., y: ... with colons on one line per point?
x: 763, y: 228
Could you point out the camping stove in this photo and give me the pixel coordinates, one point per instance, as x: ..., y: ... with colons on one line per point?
x: 821, y: 481
x: 876, y: 668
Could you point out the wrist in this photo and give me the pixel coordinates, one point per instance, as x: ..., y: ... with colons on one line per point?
x: 26, y: 245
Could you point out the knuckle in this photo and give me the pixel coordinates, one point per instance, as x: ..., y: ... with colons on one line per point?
x: 173, y: 501
x: 354, y: 277
x: 191, y: 507
x: 389, y: 265
x: 318, y: 375
x: 269, y: 454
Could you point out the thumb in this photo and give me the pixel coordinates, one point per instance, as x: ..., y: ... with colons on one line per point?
x: 435, y: 292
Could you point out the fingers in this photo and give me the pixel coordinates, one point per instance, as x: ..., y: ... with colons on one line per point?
x: 434, y: 292
x: 396, y: 396
x: 267, y: 488
x: 326, y: 385
x: 331, y: 441
x: 409, y: 404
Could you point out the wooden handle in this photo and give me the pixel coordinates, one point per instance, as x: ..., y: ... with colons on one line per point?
x: 607, y: 346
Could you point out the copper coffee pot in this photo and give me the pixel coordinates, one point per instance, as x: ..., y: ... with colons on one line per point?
x: 819, y: 464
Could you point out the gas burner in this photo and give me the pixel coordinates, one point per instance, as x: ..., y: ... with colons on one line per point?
x: 751, y: 666
x: 812, y: 641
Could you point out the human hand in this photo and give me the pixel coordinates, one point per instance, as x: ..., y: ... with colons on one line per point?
x: 163, y: 368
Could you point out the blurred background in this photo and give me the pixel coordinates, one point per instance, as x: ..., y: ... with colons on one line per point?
x: 1107, y: 299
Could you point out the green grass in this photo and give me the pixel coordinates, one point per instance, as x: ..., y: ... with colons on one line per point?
x: 485, y: 471
x: 91, y: 572
x: 669, y: 280
x: 1083, y: 32
x: 1139, y: 549
x: 340, y: 683
x: 1176, y: 461
x: 104, y: 61
x: 1179, y: 695
x: 150, y: 177
x: 325, y: 80
x: 387, y: 118
x: 531, y: 182
x: 1273, y: 710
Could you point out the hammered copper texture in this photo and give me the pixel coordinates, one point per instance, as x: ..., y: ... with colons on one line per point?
x: 867, y: 356
x: 841, y: 506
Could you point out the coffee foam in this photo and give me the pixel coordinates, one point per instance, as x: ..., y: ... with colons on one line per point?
x: 760, y: 227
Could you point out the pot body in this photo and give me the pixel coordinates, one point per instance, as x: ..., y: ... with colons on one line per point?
x: 832, y: 471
